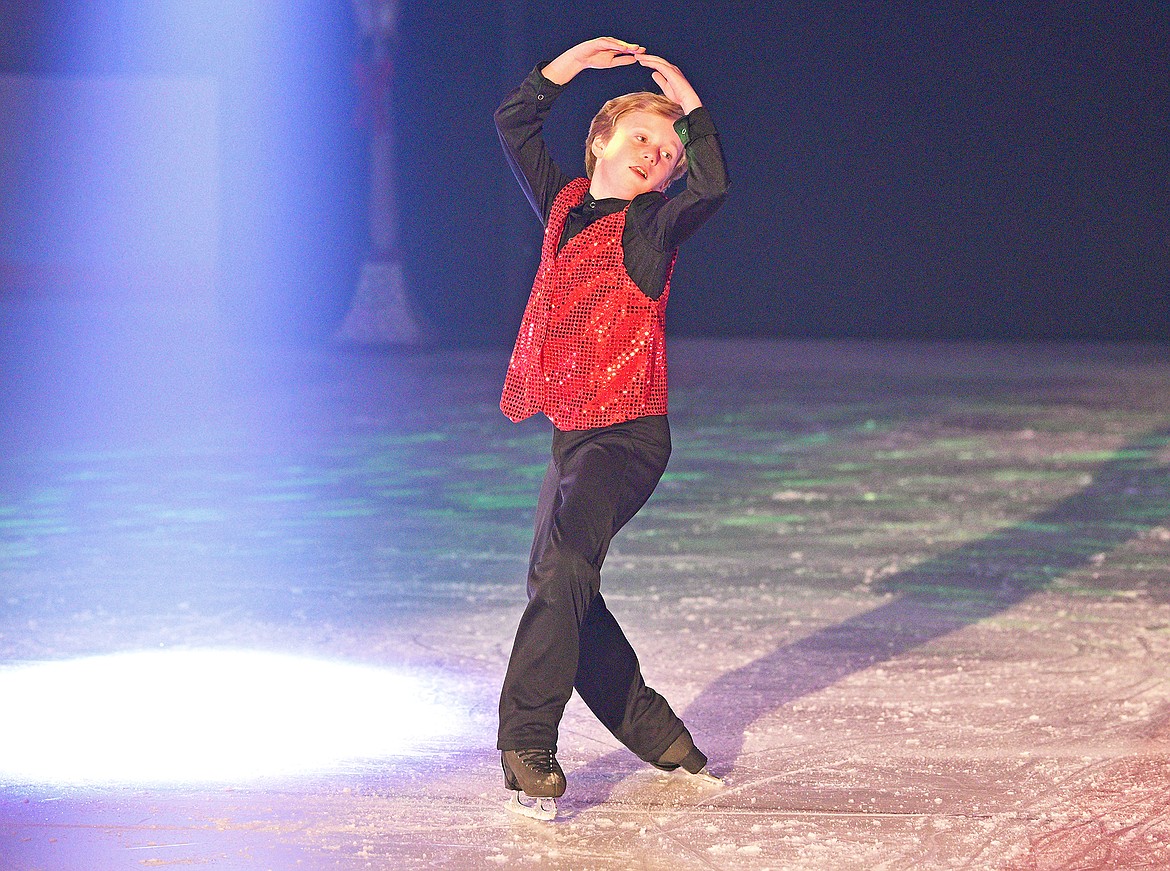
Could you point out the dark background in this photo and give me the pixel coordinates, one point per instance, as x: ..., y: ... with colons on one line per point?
x: 917, y: 170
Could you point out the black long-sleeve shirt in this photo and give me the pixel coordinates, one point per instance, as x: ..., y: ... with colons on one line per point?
x: 655, y: 224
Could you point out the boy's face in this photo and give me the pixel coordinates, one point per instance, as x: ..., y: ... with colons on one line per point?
x: 639, y: 156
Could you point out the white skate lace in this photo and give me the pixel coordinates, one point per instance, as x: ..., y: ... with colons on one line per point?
x: 543, y: 761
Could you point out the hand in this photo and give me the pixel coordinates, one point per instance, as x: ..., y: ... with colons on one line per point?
x: 673, y: 83
x: 598, y: 54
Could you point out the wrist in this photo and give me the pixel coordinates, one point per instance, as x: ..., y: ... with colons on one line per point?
x: 562, y: 70
x: 688, y: 99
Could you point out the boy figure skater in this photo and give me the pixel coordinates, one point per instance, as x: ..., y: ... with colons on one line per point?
x: 591, y: 356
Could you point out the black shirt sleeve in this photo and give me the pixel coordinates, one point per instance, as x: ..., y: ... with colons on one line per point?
x: 656, y: 225
x: 667, y: 223
x: 519, y: 122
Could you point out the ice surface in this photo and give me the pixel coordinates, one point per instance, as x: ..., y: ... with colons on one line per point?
x: 912, y: 600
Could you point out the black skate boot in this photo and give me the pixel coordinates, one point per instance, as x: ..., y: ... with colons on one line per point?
x: 538, y: 775
x: 684, y: 754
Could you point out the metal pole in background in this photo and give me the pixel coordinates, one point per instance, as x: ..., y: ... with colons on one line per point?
x: 380, y: 313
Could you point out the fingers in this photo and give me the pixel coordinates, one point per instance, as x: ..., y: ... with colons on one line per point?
x: 664, y: 71
x: 657, y: 63
x: 665, y: 74
x: 618, y: 45
x: 617, y: 51
x: 607, y: 51
x: 610, y: 59
x: 671, y: 80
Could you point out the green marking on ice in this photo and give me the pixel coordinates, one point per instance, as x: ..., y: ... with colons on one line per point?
x: 484, y: 462
x: 533, y: 442
x: 1098, y: 456
x: 298, y: 477
x: 685, y: 476
x: 421, y: 438
x: 1011, y: 475
x: 49, y: 496
x: 1086, y: 591
x: 698, y: 453
x: 495, y: 502
x: 387, y: 463
x: 949, y: 592
x: 677, y: 515
x: 399, y: 493
x: 1151, y: 515
x: 955, y: 444
x: 926, y: 479
x: 424, y: 472
x: 532, y: 471
x: 762, y: 519
x: 757, y: 459
x: 34, y: 525
x: 794, y: 480
x: 346, y: 509
x: 644, y: 533
x: 16, y: 550
x: 1047, y: 528
x: 191, y: 515
x: 439, y: 513
x: 85, y: 475
x: 895, y: 455
x: 290, y: 496
x: 1128, y: 526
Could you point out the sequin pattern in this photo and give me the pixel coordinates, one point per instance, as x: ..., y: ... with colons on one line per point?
x: 591, y: 349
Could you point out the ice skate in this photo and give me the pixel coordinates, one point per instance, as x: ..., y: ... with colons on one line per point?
x: 684, y: 755
x: 536, y: 780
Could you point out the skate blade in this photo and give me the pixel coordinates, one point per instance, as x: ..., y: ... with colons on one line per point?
x: 700, y: 778
x: 706, y: 778
x: 540, y: 809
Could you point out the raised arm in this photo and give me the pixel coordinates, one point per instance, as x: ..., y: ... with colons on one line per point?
x: 520, y: 118
x: 668, y: 224
x: 520, y: 125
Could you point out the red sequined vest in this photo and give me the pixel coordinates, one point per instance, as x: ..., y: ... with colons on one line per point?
x: 592, y: 347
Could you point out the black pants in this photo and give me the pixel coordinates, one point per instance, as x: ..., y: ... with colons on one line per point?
x: 597, y: 480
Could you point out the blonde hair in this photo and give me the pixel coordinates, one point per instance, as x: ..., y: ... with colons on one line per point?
x: 606, y: 120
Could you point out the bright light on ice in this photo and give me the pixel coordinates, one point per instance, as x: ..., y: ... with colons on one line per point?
x: 204, y: 716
